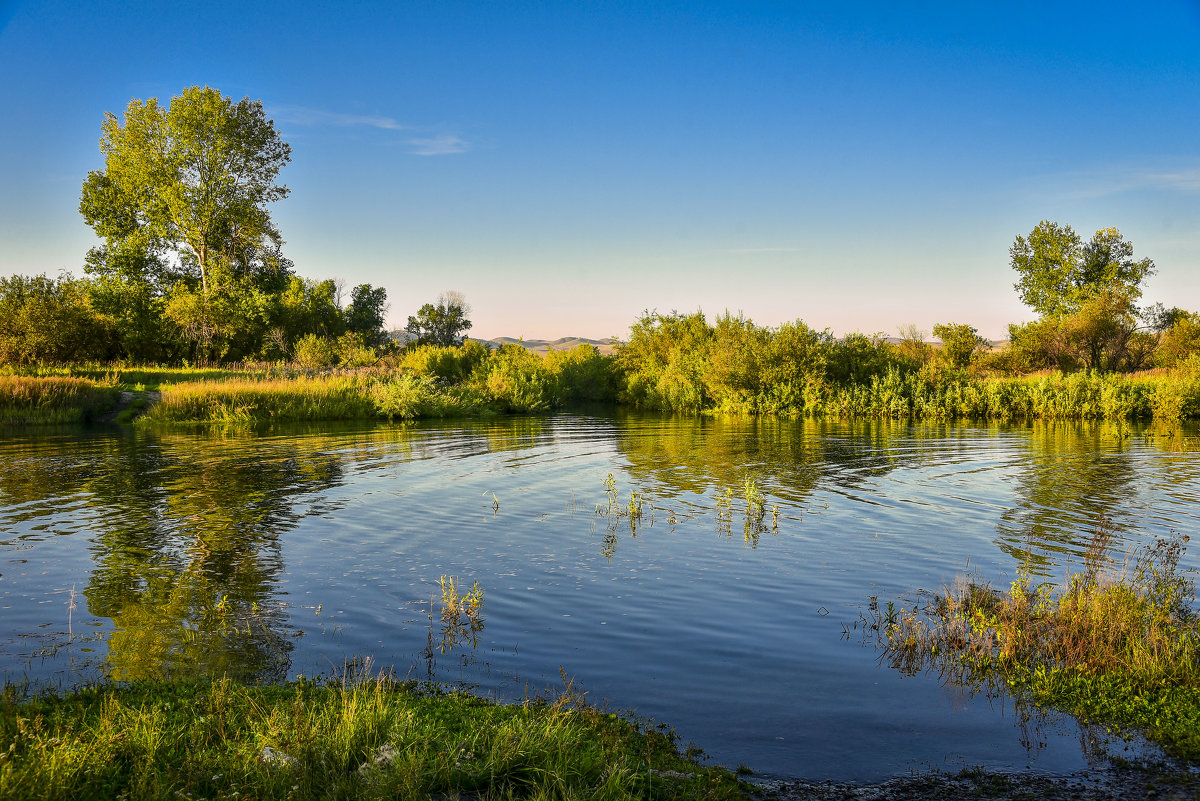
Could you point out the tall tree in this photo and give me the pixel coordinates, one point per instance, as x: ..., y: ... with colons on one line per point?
x: 443, y: 323
x: 188, y: 185
x: 1059, y: 272
x: 364, y: 315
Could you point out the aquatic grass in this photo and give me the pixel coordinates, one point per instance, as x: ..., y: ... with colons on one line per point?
x: 755, y: 502
x: 239, y: 400
x: 26, y: 400
x: 1114, y: 646
x: 357, y: 738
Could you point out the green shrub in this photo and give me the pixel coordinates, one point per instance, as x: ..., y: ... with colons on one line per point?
x: 315, y: 353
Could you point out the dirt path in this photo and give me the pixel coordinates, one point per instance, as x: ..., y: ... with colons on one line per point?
x: 127, y: 403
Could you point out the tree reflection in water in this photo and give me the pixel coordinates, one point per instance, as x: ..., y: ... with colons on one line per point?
x: 187, y: 556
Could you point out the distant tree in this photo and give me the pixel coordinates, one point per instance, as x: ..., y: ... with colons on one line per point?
x: 443, y: 323
x: 912, y: 346
x: 1161, y: 319
x: 960, y: 343
x: 1059, y: 272
x: 185, y: 188
x: 365, y: 314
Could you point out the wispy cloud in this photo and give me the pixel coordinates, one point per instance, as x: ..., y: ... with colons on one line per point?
x: 1119, y: 180
x: 440, y: 145
x: 435, y: 144
x: 299, y: 115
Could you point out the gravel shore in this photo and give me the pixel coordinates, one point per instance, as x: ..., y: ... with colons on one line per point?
x: 1138, y: 783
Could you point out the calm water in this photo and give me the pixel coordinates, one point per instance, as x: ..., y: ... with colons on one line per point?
x: 128, y: 554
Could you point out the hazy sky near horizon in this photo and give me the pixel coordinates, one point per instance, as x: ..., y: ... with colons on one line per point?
x: 567, y: 165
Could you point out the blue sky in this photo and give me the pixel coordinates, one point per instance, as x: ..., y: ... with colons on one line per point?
x: 567, y: 165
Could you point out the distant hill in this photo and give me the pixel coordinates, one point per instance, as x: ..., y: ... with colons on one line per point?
x: 605, y: 346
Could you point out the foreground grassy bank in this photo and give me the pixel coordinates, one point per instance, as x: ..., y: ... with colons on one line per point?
x: 366, y: 739
x: 1114, y: 646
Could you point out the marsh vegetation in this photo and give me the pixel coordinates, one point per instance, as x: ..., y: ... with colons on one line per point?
x: 1113, y: 644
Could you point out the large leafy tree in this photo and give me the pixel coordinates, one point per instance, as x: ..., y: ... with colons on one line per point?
x: 185, y: 188
x: 1060, y: 273
x: 443, y: 323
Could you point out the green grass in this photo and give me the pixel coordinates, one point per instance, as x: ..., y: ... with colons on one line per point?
x: 31, y: 401
x: 250, y: 401
x: 364, y: 739
x: 1117, y: 647
x: 149, y: 377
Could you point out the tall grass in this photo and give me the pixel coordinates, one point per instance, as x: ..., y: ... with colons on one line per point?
x: 358, y: 739
x: 148, y: 376
x: 241, y: 400
x: 27, y: 400
x: 1120, y: 647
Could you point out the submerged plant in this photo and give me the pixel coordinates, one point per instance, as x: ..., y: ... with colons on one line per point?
x: 755, y: 508
x: 461, y: 614
x: 634, y: 509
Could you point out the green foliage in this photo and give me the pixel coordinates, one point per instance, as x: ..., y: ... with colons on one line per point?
x: 1102, y: 333
x: 1120, y: 647
x: 358, y: 738
x: 443, y: 323
x: 29, y: 401
x: 365, y: 314
x: 1059, y: 272
x: 446, y: 362
x: 190, y: 184
x: 517, y: 380
x: 50, y: 320
x: 1179, y: 342
x: 315, y: 353
x: 353, y: 352
x: 227, y: 326
x: 662, y: 361
x: 960, y: 343
x: 913, y: 351
x: 307, y: 307
x: 583, y: 374
x: 263, y: 401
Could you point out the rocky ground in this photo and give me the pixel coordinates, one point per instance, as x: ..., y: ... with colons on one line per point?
x: 1138, y: 783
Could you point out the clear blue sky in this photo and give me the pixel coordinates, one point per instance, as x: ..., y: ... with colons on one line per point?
x: 566, y: 165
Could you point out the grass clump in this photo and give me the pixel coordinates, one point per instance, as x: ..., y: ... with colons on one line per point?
x: 1120, y: 648
x: 354, y: 739
x: 26, y: 400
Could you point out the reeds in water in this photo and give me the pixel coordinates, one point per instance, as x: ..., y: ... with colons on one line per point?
x: 1120, y: 647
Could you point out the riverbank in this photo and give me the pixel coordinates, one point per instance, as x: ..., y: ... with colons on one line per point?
x: 440, y: 387
x: 374, y: 738
x: 357, y: 738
